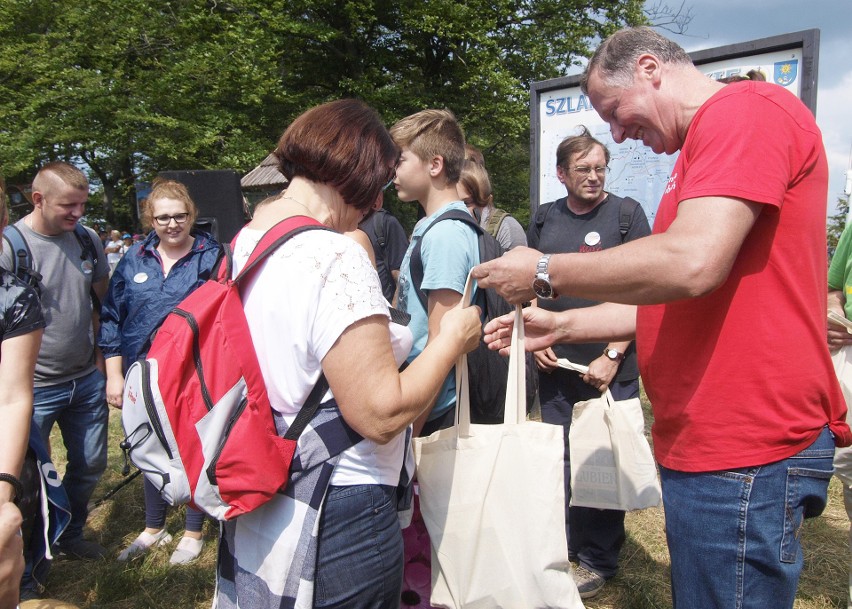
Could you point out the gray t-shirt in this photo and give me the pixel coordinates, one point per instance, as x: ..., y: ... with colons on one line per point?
x: 510, y: 232
x: 67, y: 348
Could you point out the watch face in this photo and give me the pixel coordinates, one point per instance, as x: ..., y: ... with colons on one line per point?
x: 611, y: 353
x: 542, y: 288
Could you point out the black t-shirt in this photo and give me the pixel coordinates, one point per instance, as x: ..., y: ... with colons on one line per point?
x: 556, y: 229
x: 20, y: 307
x: 388, y: 258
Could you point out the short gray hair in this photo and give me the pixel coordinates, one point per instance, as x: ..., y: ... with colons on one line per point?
x: 616, y: 57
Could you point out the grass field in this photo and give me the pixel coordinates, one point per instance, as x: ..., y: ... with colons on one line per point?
x: 150, y: 583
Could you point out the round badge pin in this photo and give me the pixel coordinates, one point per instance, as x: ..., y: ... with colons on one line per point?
x: 87, y: 267
x: 140, y: 277
x: 592, y: 239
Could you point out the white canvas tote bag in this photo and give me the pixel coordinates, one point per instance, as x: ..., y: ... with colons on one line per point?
x: 612, y: 466
x: 493, y: 500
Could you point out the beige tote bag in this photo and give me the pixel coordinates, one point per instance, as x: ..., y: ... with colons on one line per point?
x: 493, y: 500
x: 842, y: 360
x: 612, y: 466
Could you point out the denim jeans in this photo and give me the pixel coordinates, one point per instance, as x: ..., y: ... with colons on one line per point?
x: 156, y: 510
x: 80, y: 409
x: 360, y: 555
x: 595, y: 536
x: 734, y: 536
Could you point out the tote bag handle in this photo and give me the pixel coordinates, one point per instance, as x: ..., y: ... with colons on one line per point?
x: 516, y: 387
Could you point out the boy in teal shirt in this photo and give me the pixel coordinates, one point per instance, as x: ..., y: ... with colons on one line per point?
x: 432, y: 145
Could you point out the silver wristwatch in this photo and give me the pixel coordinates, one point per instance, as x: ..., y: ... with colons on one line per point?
x: 541, y: 285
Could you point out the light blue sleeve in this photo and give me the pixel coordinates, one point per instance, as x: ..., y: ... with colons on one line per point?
x: 449, y: 250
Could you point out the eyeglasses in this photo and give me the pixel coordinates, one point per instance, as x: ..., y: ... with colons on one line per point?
x: 166, y: 219
x: 392, y: 178
x: 585, y: 171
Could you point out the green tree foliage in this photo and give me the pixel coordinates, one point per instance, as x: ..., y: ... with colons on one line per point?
x: 130, y: 88
x: 837, y: 223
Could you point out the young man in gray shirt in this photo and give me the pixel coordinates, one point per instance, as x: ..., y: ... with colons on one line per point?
x: 69, y: 380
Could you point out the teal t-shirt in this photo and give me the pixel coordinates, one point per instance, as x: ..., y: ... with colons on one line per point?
x: 448, y: 252
x: 840, y: 270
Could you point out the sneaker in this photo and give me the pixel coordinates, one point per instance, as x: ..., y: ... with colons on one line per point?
x: 144, y: 542
x: 588, y: 582
x: 187, y: 550
x: 29, y: 593
x: 81, y: 549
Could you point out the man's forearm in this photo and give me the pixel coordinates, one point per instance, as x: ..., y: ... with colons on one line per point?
x: 606, y: 322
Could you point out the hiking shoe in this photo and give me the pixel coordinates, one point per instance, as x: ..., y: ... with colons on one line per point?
x: 144, y: 542
x: 81, y: 549
x: 186, y: 551
x: 588, y: 582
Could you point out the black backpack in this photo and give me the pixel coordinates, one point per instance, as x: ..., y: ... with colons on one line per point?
x: 488, y: 371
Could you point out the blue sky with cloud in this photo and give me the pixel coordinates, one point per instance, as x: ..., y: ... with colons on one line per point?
x: 721, y: 22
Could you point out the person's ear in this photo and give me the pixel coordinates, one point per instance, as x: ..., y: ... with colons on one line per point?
x: 560, y: 174
x: 648, y: 68
x: 436, y: 166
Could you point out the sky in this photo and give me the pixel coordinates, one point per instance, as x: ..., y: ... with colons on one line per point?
x: 720, y: 22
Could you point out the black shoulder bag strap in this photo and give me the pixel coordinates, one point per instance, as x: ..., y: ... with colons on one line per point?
x: 416, y: 261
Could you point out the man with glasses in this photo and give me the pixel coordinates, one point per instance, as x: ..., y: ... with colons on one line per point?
x: 588, y: 219
x: 69, y: 379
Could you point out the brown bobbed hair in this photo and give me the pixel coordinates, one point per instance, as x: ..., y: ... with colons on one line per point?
x: 167, y: 189
x: 474, y: 179
x: 343, y: 144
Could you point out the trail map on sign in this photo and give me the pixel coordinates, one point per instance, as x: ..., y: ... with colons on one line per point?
x: 635, y: 170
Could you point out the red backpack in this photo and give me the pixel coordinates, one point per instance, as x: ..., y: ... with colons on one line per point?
x: 196, y: 412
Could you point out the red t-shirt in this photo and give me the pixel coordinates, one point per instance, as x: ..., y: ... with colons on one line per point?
x: 742, y: 377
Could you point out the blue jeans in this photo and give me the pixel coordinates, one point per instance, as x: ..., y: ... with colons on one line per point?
x: 734, y: 536
x: 360, y: 555
x: 156, y: 509
x: 80, y: 409
x: 595, y: 536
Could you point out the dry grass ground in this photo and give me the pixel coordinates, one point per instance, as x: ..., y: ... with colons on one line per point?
x: 150, y: 583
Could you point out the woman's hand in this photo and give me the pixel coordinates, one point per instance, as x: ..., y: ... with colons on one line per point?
x: 115, y: 381
x: 115, y: 391
x: 464, y: 324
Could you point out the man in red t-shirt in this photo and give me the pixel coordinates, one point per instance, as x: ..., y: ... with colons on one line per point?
x: 730, y: 324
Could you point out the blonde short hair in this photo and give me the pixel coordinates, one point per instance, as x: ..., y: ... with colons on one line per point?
x: 431, y: 133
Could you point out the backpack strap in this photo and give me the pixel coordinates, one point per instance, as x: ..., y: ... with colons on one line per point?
x: 86, y: 244
x: 272, y: 239
x: 224, y: 266
x: 625, y: 218
x: 22, y: 257
x: 89, y: 251
x: 306, y: 413
x: 379, y: 227
x: 495, y: 220
x: 416, y: 260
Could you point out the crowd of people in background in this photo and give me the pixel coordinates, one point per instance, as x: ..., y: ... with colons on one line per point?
x: 747, y: 408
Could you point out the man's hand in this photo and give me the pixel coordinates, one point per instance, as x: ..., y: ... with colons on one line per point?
x: 540, y: 329
x: 546, y: 360
x: 838, y: 337
x: 601, y: 372
x: 512, y: 274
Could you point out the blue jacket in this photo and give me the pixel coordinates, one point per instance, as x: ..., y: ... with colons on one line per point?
x: 140, y: 296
